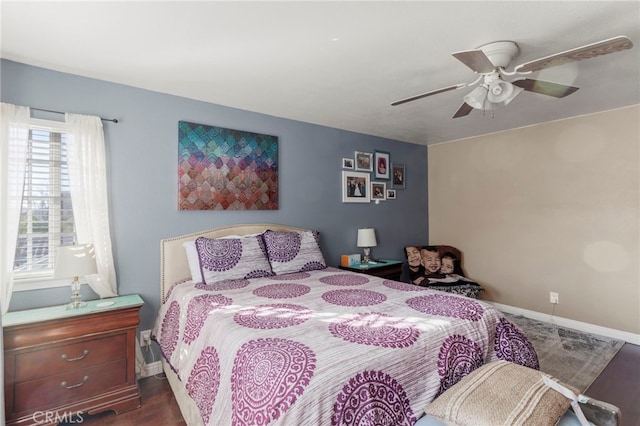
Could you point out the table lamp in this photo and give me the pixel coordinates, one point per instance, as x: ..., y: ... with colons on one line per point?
x: 74, y: 262
x: 367, y: 239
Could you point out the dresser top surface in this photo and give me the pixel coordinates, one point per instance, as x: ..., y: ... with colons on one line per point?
x: 61, y: 311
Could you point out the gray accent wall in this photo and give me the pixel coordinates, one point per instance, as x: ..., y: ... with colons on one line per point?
x: 142, y: 155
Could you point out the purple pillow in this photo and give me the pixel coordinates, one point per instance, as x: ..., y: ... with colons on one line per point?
x: 290, y: 252
x: 232, y: 258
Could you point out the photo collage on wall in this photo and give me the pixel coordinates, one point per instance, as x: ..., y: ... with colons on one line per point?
x: 371, y: 177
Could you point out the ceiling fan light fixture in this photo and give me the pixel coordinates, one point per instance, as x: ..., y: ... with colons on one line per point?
x: 476, y: 98
x: 500, y: 91
x: 516, y: 91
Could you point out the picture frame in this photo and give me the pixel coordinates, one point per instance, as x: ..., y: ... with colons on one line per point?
x: 347, y: 163
x: 391, y: 194
x: 398, y: 176
x: 355, y: 187
x: 378, y: 191
x: 381, y: 164
x: 364, y: 161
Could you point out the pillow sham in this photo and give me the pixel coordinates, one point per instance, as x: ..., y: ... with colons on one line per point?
x: 232, y: 258
x: 500, y: 393
x: 194, y: 261
x: 290, y: 252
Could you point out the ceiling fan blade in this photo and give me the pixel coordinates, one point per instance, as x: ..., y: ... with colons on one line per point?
x: 476, y: 60
x: 545, y: 87
x: 424, y: 95
x: 604, y: 47
x: 463, y: 111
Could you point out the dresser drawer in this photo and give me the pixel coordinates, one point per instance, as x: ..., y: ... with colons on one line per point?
x: 71, y: 386
x: 69, y: 357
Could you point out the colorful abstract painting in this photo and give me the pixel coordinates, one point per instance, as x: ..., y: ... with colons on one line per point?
x: 225, y: 169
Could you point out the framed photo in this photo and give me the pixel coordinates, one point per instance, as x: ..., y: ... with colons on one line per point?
x: 391, y: 194
x: 355, y: 187
x: 398, y: 174
x: 378, y: 191
x: 364, y: 161
x: 347, y: 163
x: 381, y: 163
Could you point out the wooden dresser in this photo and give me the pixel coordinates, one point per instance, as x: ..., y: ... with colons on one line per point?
x: 59, y: 364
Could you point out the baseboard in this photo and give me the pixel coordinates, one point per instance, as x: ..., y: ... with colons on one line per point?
x: 151, y: 369
x: 569, y: 323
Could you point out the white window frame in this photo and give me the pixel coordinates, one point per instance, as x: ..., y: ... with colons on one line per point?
x: 42, y: 279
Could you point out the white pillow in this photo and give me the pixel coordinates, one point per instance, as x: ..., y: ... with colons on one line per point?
x: 194, y: 261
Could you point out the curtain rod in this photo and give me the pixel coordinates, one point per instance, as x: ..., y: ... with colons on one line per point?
x: 114, y: 120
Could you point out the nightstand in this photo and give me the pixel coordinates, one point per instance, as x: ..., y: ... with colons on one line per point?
x: 60, y: 363
x: 390, y: 269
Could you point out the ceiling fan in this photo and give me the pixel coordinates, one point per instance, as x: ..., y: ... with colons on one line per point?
x: 491, y: 61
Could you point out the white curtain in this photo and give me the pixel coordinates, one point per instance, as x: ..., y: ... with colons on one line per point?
x: 88, y: 181
x: 14, y: 139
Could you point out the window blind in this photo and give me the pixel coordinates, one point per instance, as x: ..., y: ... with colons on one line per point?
x: 46, y: 219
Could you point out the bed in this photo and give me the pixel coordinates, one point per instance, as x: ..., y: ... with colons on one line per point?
x: 306, y: 343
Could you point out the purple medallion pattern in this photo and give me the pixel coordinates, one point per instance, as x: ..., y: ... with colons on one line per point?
x: 345, y: 279
x: 204, y: 381
x: 219, y: 254
x: 447, y: 306
x: 279, y: 315
x: 197, y: 311
x: 376, y: 329
x: 372, y: 398
x: 174, y: 285
x: 397, y: 285
x: 282, y: 290
x: 458, y: 357
x: 353, y: 297
x: 513, y: 346
x: 170, y: 330
x: 223, y: 285
x: 282, y: 246
x: 268, y: 376
x: 291, y: 277
x: 313, y: 266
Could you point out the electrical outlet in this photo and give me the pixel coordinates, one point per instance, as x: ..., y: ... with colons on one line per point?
x: 145, y: 338
x: 553, y: 298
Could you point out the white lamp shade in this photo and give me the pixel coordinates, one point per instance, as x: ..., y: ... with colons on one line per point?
x: 500, y: 91
x: 516, y: 92
x: 367, y: 237
x: 75, y: 261
x: 477, y: 96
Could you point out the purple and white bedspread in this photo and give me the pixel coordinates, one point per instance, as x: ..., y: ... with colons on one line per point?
x: 326, y: 347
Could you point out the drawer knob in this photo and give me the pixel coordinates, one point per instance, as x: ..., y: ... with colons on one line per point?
x: 84, y: 354
x: 66, y: 386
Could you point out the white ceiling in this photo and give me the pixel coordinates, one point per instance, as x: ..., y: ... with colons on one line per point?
x: 337, y: 64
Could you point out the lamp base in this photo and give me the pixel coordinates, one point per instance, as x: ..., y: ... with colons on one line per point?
x: 367, y: 253
x: 76, y: 297
x: 76, y: 304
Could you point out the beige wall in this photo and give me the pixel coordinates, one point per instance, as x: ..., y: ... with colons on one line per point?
x: 553, y: 207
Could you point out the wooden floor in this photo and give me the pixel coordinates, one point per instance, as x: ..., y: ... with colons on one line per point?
x: 619, y: 384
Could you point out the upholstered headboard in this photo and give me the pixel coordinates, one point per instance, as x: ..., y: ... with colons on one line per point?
x: 174, y: 266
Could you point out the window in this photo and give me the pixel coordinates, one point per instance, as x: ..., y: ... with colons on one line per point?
x: 46, y: 217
